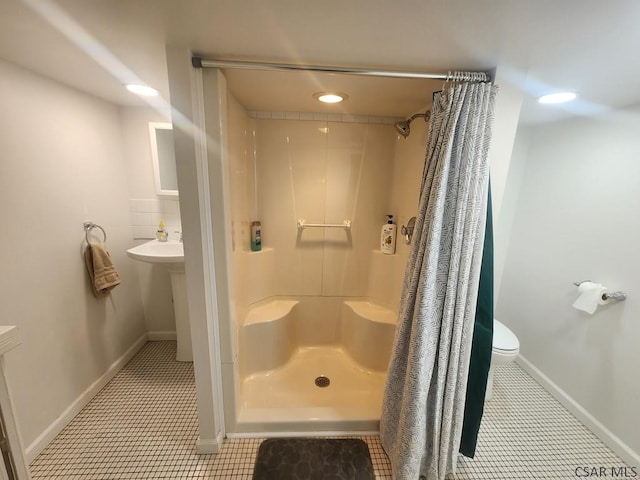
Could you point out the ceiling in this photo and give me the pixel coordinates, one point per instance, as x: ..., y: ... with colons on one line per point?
x: 583, y: 45
x: 293, y: 92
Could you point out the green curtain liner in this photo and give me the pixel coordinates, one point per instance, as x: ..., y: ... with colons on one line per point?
x: 481, y: 346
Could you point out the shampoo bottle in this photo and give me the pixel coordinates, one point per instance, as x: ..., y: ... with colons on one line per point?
x: 256, y: 236
x: 388, y: 237
x: 162, y: 234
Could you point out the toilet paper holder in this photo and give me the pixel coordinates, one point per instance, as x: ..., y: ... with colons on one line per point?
x: 614, y: 296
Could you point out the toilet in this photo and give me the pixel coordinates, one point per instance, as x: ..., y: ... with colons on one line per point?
x: 505, y: 349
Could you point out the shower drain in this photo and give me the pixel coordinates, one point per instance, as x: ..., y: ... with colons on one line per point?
x: 322, y: 381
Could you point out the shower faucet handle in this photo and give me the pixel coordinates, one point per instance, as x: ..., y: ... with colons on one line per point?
x: 407, y: 230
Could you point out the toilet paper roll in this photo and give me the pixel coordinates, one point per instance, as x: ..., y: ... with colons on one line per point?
x: 590, y: 297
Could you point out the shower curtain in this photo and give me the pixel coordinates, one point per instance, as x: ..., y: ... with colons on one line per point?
x: 424, y: 399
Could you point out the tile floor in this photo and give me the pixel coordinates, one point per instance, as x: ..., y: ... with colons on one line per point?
x: 143, y: 425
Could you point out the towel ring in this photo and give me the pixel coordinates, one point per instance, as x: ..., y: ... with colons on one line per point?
x: 88, y: 226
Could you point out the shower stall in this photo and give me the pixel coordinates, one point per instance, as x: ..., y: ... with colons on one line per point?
x: 312, y: 314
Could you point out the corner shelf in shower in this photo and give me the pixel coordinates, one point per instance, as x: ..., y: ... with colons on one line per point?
x: 263, y: 250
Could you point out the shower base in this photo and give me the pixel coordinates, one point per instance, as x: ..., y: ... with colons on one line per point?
x: 287, y: 399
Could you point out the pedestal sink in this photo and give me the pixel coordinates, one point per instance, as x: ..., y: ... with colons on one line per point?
x: 170, y: 255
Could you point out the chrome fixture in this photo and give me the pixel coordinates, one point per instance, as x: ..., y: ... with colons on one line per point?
x: 403, y: 125
x: 88, y: 226
x: 613, y: 296
x: 198, y: 62
x: 408, y: 230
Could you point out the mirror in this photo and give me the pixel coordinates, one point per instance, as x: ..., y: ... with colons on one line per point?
x: 164, y: 159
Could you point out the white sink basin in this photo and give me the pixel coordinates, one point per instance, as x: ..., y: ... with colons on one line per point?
x: 154, y: 251
x: 170, y: 255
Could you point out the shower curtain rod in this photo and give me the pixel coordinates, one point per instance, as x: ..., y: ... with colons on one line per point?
x: 199, y: 62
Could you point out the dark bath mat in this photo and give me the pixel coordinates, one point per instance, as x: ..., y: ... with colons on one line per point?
x: 313, y: 459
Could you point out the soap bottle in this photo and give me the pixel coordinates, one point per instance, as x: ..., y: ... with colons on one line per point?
x: 388, y: 237
x: 162, y: 234
x: 256, y: 236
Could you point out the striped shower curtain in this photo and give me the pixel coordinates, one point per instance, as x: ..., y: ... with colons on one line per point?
x: 423, y: 406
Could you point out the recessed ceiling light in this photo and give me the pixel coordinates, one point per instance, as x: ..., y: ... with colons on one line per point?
x: 143, y: 90
x: 560, y: 97
x: 330, y: 97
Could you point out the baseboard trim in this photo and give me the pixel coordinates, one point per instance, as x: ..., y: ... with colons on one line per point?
x: 161, y: 336
x: 39, y: 444
x: 209, y: 446
x: 312, y: 433
x: 599, y: 430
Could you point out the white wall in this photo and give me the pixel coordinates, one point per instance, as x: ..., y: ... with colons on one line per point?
x: 146, y: 209
x: 135, y: 132
x: 196, y: 154
x: 251, y: 279
x: 577, y: 219
x: 322, y: 172
x: 362, y: 169
x: 508, y: 104
x: 146, y: 206
x: 502, y: 228
x: 62, y: 163
x: 387, y: 275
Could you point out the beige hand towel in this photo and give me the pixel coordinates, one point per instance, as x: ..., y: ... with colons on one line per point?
x: 102, y: 273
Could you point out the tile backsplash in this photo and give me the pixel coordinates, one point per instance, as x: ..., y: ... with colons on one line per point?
x: 145, y: 216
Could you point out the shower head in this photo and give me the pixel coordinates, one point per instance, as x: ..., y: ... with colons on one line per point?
x: 402, y: 126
